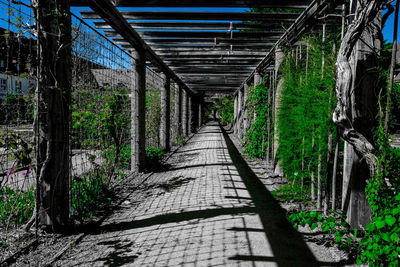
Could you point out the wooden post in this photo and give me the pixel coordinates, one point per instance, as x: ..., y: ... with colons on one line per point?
x: 319, y: 177
x: 245, y: 110
x: 178, y: 112
x: 184, y: 113
x: 312, y: 170
x: 190, y: 115
x: 335, y: 162
x: 240, y: 114
x: 279, y: 56
x: 165, y: 113
x: 235, y: 115
x: 138, y: 108
x: 53, y: 113
x: 200, y: 113
x: 257, y: 81
x: 270, y: 89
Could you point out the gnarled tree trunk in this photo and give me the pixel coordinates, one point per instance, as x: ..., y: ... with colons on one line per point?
x: 356, y: 106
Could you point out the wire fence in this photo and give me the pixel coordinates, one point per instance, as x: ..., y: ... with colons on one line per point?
x: 17, y: 87
x: 100, y: 125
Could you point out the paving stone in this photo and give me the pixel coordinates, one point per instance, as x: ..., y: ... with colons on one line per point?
x: 199, y: 212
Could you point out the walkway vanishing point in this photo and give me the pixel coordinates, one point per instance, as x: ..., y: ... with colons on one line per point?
x: 208, y: 209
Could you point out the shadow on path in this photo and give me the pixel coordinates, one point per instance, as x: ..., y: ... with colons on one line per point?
x: 173, y: 218
x: 288, y: 246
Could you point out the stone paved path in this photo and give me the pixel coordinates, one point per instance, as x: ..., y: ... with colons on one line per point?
x: 208, y: 209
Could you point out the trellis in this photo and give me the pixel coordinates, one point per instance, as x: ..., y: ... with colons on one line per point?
x: 199, y: 55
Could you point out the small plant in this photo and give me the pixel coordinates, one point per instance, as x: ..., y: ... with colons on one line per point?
x: 334, y: 224
x: 180, y: 141
x: 88, y: 193
x: 153, y: 157
x: 288, y: 192
x: 16, y: 206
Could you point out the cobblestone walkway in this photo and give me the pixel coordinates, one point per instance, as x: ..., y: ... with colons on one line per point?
x: 207, y: 209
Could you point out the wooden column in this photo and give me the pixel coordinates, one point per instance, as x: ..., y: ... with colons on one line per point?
x: 240, y: 113
x: 53, y: 114
x: 246, y: 123
x: 185, y: 116
x: 279, y: 56
x: 138, y: 108
x: 165, y: 113
x: 190, y: 115
x: 178, y: 112
x: 257, y: 78
x: 257, y: 81
x: 235, y: 114
x: 200, y: 114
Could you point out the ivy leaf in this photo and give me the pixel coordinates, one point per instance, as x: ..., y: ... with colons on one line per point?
x: 380, y: 224
x: 386, y: 237
x: 313, y: 226
x: 394, y: 237
x: 390, y: 220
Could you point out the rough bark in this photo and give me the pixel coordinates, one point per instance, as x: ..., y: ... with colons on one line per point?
x: 52, y: 113
x: 343, y: 112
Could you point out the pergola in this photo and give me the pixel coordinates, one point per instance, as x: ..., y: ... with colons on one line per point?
x: 207, y: 52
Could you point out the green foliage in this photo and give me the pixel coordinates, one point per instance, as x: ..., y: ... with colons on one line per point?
x: 305, y: 114
x: 224, y: 106
x: 180, y: 141
x: 255, y: 140
x: 153, y: 117
x: 334, y: 224
x: 88, y: 193
x: 16, y: 205
x: 16, y: 109
x: 380, y: 244
x: 153, y: 157
x: 288, y: 192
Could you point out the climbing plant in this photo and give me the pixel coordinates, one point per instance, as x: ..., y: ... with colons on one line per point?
x: 304, y: 118
x: 257, y: 104
x: 224, y: 106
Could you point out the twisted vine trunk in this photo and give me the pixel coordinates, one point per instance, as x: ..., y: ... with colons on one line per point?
x: 355, y: 110
x: 52, y: 113
x: 342, y: 115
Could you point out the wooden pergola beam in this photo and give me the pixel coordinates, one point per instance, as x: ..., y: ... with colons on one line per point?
x: 228, y: 16
x: 151, y: 35
x: 155, y: 25
x: 306, y: 20
x: 107, y: 11
x: 264, y: 50
x: 301, y: 4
